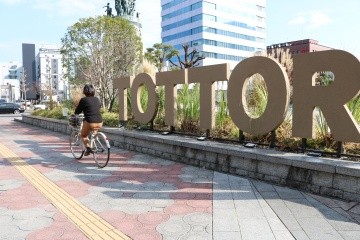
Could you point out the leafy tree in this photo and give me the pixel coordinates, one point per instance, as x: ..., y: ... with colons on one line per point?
x: 97, y: 50
x: 159, y: 53
x: 191, y: 58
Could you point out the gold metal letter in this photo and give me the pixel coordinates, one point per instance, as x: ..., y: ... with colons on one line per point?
x: 152, y: 103
x: 331, y: 99
x: 170, y: 80
x: 207, y: 76
x: 277, y: 84
x: 122, y: 84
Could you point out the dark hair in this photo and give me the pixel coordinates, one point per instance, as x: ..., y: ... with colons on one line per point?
x: 89, y: 90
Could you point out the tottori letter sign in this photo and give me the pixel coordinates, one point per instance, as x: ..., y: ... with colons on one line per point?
x: 331, y: 99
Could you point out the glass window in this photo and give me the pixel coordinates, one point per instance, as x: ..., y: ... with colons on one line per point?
x: 210, y: 30
x: 196, y: 30
x: 196, y: 5
x: 196, y: 18
x: 260, y: 8
x: 260, y: 19
x: 209, y: 17
x: 260, y: 29
x: 209, y: 6
x: 177, y: 13
x: 172, y: 3
x: 196, y: 43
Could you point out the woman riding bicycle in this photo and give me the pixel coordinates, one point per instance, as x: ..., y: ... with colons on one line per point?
x: 90, y: 106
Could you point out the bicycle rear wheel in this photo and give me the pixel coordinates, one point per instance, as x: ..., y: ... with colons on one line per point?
x: 76, y: 145
x: 101, y: 149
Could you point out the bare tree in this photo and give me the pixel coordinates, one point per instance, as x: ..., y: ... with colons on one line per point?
x: 191, y: 58
x: 23, y: 87
x: 284, y: 57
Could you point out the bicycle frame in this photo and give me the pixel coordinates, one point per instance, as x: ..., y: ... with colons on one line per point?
x: 99, y: 144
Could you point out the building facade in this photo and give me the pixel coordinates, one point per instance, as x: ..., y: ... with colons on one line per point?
x: 50, y: 74
x: 299, y: 46
x: 29, y: 64
x: 223, y: 31
x: 33, y: 78
x: 11, y: 73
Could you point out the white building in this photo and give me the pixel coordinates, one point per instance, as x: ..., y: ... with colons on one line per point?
x: 225, y: 31
x: 50, y: 73
x: 10, y: 81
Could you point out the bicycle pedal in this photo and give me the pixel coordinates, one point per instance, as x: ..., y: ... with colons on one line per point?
x: 88, y: 152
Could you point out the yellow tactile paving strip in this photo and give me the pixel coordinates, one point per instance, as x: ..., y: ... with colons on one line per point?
x: 93, y: 226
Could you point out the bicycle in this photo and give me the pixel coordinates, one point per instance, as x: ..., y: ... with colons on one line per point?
x: 99, y: 143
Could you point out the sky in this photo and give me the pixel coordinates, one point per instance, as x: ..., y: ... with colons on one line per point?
x: 334, y: 23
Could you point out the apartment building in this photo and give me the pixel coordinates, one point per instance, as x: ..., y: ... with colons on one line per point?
x: 50, y: 73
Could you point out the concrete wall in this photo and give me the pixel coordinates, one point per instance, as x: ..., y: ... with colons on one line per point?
x: 325, y: 176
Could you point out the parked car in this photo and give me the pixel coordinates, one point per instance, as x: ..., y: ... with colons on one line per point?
x: 28, y: 103
x: 44, y: 104
x: 40, y: 105
x: 2, y: 100
x: 11, y: 108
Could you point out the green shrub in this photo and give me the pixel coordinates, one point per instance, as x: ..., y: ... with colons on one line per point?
x: 110, y: 119
x: 226, y: 130
x: 256, y: 97
x: 55, y: 113
x: 39, y: 112
x: 222, y: 114
x: 354, y: 107
x: 188, y: 104
x: 69, y: 104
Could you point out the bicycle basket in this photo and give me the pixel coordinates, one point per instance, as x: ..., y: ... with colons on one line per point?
x: 75, y: 121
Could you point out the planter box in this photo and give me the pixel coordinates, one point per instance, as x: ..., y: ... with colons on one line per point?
x: 325, y: 176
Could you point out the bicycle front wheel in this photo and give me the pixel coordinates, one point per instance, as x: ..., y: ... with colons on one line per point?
x: 101, y: 149
x: 76, y: 145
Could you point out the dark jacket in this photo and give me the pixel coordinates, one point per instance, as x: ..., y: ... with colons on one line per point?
x: 90, y: 106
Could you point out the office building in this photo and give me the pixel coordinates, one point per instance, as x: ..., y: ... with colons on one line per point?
x: 50, y: 73
x: 223, y: 31
x: 29, y: 64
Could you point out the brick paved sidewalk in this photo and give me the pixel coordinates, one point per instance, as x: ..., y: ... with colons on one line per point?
x: 46, y: 194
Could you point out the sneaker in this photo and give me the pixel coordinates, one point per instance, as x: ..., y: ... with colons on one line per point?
x: 88, y: 151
